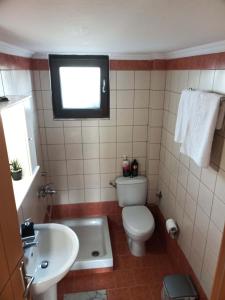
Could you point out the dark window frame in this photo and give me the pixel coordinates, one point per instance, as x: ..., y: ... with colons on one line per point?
x: 101, y: 61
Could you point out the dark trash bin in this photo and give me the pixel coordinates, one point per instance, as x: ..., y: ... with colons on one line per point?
x: 179, y: 287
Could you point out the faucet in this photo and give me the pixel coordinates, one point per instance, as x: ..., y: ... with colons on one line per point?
x: 46, y: 189
x: 27, y: 230
x: 27, y: 244
x: 27, y: 234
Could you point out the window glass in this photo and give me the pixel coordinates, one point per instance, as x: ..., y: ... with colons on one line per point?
x: 80, y: 87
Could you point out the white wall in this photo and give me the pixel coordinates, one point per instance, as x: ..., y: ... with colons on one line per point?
x: 82, y: 156
x: 195, y: 197
x: 19, y: 82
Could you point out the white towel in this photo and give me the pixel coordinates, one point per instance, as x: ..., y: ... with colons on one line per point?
x: 183, y: 115
x: 196, y: 124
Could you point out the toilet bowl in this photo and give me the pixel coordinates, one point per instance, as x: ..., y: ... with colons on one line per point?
x: 139, y: 226
x: 138, y: 221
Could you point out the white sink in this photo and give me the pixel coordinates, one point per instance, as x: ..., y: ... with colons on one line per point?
x: 58, y: 245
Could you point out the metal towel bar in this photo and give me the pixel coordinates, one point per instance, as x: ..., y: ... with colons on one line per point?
x: 221, y: 99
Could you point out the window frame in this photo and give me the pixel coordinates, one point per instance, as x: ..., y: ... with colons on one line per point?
x: 101, y: 61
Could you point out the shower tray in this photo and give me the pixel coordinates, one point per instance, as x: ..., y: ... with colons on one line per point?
x: 95, y: 246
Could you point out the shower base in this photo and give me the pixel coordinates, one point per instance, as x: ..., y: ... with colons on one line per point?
x: 94, y: 242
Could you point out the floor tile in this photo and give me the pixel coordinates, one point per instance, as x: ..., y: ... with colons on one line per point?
x: 132, y: 278
x: 119, y: 294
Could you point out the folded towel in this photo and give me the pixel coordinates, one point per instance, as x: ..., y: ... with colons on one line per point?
x: 196, y: 123
x: 183, y: 115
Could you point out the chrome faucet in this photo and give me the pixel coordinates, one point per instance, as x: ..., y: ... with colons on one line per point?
x: 46, y: 189
x: 27, y: 244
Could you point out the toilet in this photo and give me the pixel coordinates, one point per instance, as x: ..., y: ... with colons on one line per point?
x: 138, y: 221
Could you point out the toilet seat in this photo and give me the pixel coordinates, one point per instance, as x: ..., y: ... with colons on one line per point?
x: 138, y: 220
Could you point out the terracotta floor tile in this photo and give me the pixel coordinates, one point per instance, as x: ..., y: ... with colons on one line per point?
x: 118, y: 294
x: 121, y: 248
x: 115, y: 262
x: 132, y: 278
x: 143, y: 276
x: 140, y: 293
x: 104, y: 281
x: 81, y: 283
x: 156, y: 291
x: 124, y: 278
x: 149, y: 260
x: 129, y: 262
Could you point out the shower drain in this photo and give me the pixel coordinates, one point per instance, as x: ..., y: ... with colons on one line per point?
x: 95, y: 253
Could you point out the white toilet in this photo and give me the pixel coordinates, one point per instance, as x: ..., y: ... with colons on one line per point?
x: 138, y: 221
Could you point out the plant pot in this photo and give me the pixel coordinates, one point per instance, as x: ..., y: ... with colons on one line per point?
x: 16, y: 175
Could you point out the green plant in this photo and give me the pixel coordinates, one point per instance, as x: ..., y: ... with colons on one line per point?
x: 15, y: 166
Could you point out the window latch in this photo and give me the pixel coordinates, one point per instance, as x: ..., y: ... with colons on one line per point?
x: 103, y: 86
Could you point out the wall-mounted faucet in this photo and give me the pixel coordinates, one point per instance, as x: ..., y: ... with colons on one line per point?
x: 113, y: 184
x: 46, y: 190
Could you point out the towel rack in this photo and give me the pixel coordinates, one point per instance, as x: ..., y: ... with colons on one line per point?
x: 222, y: 99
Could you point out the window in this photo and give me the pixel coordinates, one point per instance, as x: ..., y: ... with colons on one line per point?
x: 80, y: 86
x: 18, y: 123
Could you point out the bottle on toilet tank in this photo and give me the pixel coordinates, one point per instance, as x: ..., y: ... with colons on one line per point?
x: 134, y: 168
x: 126, y: 166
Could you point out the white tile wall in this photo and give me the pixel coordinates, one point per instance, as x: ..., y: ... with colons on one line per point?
x: 94, y: 148
x: 142, y: 80
x: 82, y: 156
x: 125, y: 99
x: 125, y: 80
x: 199, y: 193
x: 141, y: 98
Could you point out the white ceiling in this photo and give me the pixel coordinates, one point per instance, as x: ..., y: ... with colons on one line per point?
x: 97, y: 26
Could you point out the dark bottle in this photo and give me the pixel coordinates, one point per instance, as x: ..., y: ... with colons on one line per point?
x: 134, y: 168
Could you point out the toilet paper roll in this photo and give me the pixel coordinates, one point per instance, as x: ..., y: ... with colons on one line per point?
x: 171, y: 227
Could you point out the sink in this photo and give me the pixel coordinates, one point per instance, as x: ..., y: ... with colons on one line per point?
x: 50, y: 260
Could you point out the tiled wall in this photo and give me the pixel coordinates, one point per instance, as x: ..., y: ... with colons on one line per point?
x: 82, y: 156
x: 193, y: 196
x: 18, y: 82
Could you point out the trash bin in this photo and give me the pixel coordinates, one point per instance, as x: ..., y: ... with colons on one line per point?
x: 179, y: 287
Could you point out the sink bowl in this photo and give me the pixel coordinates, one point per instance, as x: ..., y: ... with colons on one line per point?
x: 58, y: 247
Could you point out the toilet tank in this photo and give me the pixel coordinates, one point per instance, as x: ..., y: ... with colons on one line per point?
x: 131, y: 191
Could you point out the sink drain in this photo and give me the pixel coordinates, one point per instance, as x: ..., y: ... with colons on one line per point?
x: 44, y: 264
x: 95, y: 253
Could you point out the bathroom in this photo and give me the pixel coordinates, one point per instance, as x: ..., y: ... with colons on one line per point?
x: 82, y: 157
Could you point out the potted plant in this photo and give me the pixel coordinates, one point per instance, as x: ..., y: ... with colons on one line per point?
x: 16, y: 170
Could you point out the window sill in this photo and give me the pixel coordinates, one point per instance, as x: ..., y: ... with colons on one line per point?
x: 21, y: 187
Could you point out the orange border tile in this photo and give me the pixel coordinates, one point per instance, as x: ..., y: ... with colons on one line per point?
x: 39, y: 64
x: 200, y: 62
x: 13, y: 62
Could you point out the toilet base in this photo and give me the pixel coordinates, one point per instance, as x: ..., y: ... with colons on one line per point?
x: 137, y: 248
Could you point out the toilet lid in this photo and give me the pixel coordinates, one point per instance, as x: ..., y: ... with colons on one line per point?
x: 137, y: 219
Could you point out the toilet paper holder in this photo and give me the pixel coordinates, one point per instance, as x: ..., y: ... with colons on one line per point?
x: 172, y: 228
